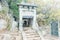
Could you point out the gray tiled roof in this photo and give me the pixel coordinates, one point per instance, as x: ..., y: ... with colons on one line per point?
x: 27, y: 4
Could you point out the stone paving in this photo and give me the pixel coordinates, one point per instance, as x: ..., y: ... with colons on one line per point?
x: 16, y: 35
x: 10, y: 35
x: 46, y: 34
x: 31, y: 34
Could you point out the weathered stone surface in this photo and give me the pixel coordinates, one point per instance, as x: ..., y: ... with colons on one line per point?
x: 3, y: 24
x: 14, y: 26
x: 11, y: 36
x: 47, y: 33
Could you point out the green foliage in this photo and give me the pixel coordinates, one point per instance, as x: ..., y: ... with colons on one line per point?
x: 13, y: 6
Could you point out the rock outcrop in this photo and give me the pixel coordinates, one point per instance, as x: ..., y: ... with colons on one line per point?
x: 5, y: 19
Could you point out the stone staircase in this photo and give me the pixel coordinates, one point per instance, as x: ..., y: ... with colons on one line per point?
x: 31, y: 34
x: 11, y: 36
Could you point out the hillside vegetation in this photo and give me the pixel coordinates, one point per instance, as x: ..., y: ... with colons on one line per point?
x: 47, y: 10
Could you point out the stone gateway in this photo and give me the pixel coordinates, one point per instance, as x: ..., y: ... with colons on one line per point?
x: 27, y: 15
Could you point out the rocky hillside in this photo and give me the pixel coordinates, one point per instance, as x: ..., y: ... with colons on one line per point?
x: 4, y: 14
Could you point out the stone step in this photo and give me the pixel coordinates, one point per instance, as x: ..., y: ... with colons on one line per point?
x: 33, y: 38
x: 31, y: 34
x: 11, y: 36
x: 29, y: 30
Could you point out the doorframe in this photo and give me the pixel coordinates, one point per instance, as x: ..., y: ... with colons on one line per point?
x: 58, y: 28
x: 27, y: 19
